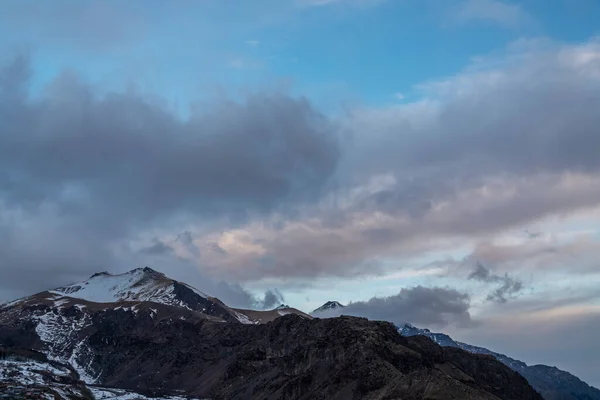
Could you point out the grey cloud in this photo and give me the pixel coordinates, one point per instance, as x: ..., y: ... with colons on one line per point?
x: 418, y: 305
x: 536, y: 114
x: 481, y: 273
x: 272, y: 298
x: 42, y: 253
x: 99, y: 169
x: 158, y: 248
x: 234, y: 295
x: 138, y: 162
x: 509, y: 286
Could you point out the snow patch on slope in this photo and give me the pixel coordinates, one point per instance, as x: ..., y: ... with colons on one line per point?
x: 117, y: 394
x: 28, y: 372
x: 58, y: 332
x: 243, y: 318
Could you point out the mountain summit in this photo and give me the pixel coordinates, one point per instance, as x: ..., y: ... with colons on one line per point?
x: 330, y: 305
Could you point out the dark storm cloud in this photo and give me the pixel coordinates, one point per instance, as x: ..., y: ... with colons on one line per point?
x: 419, y: 305
x: 509, y: 287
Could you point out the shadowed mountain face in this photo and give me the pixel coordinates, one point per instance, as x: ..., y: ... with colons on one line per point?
x: 551, y: 382
x: 137, y: 333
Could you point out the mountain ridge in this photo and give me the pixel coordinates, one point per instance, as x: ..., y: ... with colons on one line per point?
x: 143, y: 332
x: 552, y: 382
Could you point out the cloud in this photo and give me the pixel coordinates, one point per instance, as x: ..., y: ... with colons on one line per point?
x: 158, y: 248
x: 490, y: 150
x: 272, y: 298
x: 82, y: 174
x: 133, y: 156
x: 550, y: 253
x: 509, y: 287
x: 234, y: 295
x: 502, y: 13
x: 418, y: 305
x: 356, y: 240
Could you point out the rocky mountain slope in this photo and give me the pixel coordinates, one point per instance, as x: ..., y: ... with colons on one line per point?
x: 551, y: 382
x: 141, y: 332
x: 27, y: 374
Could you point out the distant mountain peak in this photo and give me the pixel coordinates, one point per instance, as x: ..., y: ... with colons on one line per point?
x: 281, y: 307
x: 330, y: 305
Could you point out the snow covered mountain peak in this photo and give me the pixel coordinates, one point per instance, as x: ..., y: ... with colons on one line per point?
x: 140, y: 284
x: 330, y: 305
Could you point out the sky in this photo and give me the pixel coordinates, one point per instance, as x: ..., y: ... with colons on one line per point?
x: 432, y: 161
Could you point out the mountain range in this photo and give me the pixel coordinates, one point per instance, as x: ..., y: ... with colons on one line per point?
x: 141, y: 334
